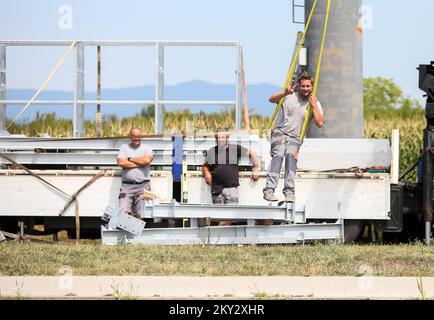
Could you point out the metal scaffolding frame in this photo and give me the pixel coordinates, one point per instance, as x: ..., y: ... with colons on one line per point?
x: 79, y: 102
x: 65, y: 151
x: 119, y: 227
x: 230, y: 235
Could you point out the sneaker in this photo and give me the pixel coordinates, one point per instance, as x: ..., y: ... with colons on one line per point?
x: 269, y: 195
x: 289, y: 197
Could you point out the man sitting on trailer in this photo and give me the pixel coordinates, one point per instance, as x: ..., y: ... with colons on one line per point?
x: 285, y: 138
x: 221, y: 170
x: 135, y: 159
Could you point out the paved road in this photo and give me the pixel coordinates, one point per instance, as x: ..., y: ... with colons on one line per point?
x: 172, y: 287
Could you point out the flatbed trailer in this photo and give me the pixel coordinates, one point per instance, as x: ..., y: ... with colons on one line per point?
x: 332, y: 191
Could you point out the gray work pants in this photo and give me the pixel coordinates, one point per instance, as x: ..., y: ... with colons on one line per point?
x: 129, y: 198
x: 227, y: 196
x: 282, y: 147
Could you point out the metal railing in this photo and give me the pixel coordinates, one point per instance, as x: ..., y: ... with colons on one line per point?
x: 79, y: 102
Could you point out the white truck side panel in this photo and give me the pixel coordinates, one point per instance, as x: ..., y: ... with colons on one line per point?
x: 336, y: 154
x: 323, y: 195
x: 24, y: 195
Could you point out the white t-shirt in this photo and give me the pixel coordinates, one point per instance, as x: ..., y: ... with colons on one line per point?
x: 136, y: 174
x: 291, y: 115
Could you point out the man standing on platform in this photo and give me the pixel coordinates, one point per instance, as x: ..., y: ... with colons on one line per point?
x: 134, y: 158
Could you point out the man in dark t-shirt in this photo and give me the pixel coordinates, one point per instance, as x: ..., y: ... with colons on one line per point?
x: 221, y: 170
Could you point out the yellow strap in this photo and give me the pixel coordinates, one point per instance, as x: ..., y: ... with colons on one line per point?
x: 318, y: 69
x: 293, y: 64
x: 61, y: 61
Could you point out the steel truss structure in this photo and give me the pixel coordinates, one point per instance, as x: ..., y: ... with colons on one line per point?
x: 291, y: 226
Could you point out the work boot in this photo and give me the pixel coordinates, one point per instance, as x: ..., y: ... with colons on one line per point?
x: 289, y: 197
x: 269, y: 195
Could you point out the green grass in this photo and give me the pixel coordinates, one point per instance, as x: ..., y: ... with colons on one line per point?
x: 314, y: 260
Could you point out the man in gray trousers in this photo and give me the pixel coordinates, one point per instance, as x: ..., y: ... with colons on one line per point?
x: 285, y: 138
x: 134, y: 158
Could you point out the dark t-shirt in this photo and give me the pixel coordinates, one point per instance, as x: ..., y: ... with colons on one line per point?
x: 224, y: 164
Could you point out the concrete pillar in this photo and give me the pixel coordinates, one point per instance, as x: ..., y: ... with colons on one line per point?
x: 340, y: 87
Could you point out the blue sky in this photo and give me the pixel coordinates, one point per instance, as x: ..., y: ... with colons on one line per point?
x: 397, y: 42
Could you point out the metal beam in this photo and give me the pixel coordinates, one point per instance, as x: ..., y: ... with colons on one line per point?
x: 200, y: 143
x: 67, y: 102
x: 315, y: 154
x: 102, y: 158
x: 77, y: 158
x: 159, y: 89
x: 103, y: 152
x: 226, y: 212
x: 238, y: 90
x: 2, y: 87
x: 78, y: 120
x: 117, y: 43
x: 295, y: 233
x: 12, y: 143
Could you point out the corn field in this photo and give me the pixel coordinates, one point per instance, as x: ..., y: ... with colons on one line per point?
x: 376, y: 127
x: 410, y: 130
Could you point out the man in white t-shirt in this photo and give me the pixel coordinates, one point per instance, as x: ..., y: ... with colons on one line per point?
x: 134, y: 158
x: 285, y: 138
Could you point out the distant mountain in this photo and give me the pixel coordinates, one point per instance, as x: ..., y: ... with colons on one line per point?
x: 257, y: 96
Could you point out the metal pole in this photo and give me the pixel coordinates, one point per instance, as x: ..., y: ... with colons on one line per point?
x: 428, y: 232
x: 245, y: 103
x: 340, y: 87
x: 2, y: 86
x: 239, y: 92
x: 78, y: 121
x: 21, y: 223
x: 98, y: 128
x: 394, y: 167
x: 427, y: 183
x: 159, y: 89
x: 426, y: 84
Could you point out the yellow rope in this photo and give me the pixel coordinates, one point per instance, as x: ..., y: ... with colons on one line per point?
x: 293, y: 64
x: 317, y: 72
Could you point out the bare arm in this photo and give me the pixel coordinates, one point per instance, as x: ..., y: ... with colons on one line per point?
x: 207, y: 173
x: 318, y: 118
x: 254, y: 158
x: 125, y: 164
x: 142, y: 161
